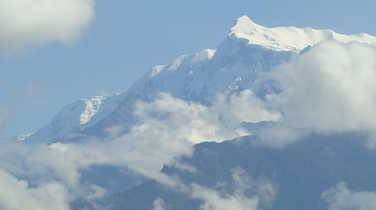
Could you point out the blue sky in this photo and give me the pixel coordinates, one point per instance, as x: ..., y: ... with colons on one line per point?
x: 127, y: 38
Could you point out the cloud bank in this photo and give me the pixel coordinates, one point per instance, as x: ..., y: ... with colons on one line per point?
x: 168, y: 128
x: 27, y: 23
x: 328, y: 89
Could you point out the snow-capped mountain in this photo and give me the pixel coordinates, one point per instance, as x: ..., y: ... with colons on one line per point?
x: 124, y: 171
x: 248, y: 50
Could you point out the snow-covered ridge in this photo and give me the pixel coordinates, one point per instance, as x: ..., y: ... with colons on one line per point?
x: 290, y: 38
x: 86, y: 111
x: 192, y: 59
x: 74, y: 118
x: 187, y: 59
x: 92, y: 107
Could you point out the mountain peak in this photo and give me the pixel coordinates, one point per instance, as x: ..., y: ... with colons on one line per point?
x: 289, y: 38
x: 245, y: 21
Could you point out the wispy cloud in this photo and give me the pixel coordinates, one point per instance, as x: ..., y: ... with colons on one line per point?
x: 341, y: 197
x: 248, y: 194
x: 16, y: 194
x: 158, y: 204
x: 241, y: 193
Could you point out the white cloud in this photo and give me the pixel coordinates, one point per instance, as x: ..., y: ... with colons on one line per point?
x: 25, y: 23
x: 241, y: 193
x: 197, y: 123
x: 45, y: 162
x: 248, y: 194
x: 330, y: 88
x: 243, y: 107
x: 171, y: 116
x: 342, y: 198
x: 158, y: 204
x: 215, y: 201
x: 18, y: 195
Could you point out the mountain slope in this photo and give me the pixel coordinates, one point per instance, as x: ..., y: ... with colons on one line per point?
x: 302, y: 172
